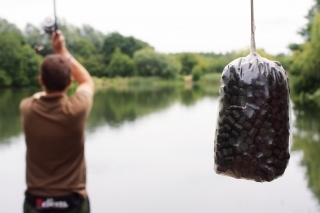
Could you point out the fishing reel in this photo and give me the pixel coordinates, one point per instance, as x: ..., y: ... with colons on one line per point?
x: 49, y: 26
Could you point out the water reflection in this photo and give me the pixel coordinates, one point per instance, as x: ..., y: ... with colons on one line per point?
x: 307, y: 139
x: 111, y: 106
x: 10, y: 125
x: 164, y: 163
x: 116, y: 106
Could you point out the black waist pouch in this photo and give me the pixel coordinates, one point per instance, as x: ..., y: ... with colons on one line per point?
x: 54, y: 204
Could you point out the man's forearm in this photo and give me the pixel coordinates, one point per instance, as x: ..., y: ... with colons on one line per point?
x: 79, y: 72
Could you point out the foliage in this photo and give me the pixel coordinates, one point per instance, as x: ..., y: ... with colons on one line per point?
x: 217, y: 64
x: 196, y: 73
x: 94, y: 36
x: 34, y: 38
x: 5, y: 80
x: 84, y: 48
x: 95, y: 50
x: 306, y: 63
x: 121, y: 65
x: 306, y: 32
x: 188, y: 61
x: 95, y: 65
x: 7, y: 27
x: 127, y: 45
x: 285, y: 60
x: 18, y: 62
x: 150, y: 63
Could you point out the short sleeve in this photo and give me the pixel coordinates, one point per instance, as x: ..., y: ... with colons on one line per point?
x: 25, y: 105
x: 80, y: 102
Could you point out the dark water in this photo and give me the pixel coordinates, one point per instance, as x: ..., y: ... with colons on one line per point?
x: 151, y: 150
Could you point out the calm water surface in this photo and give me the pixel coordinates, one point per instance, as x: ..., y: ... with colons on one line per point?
x: 151, y: 150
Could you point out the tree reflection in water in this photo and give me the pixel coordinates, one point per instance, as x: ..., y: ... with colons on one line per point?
x: 307, y: 139
x: 116, y: 106
x: 10, y: 125
x: 112, y: 106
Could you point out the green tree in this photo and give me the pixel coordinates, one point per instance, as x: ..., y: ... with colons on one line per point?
x: 84, y: 48
x: 150, y: 63
x: 7, y: 27
x: 121, y: 65
x: 196, y: 73
x: 94, y: 36
x: 307, y: 62
x: 188, y: 61
x: 10, y: 57
x: 18, y: 62
x: 30, y: 63
x: 5, y: 80
x: 306, y: 32
x: 127, y: 45
x: 34, y: 37
x: 96, y: 66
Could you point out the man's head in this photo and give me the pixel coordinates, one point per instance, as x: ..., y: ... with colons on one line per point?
x: 55, y: 73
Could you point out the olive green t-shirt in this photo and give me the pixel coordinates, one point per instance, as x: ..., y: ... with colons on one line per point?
x: 54, y: 134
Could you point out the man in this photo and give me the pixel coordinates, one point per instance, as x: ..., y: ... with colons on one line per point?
x: 54, y: 132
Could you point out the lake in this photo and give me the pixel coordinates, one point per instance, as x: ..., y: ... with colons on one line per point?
x: 150, y: 149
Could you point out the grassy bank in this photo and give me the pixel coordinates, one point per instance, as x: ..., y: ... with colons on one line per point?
x: 205, y: 80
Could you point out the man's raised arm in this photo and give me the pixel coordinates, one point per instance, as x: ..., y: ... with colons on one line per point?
x: 80, y: 73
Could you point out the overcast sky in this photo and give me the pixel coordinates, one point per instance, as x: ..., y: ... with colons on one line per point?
x: 176, y: 25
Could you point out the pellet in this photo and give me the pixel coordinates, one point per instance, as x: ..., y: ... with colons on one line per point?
x: 238, y: 127
x: 244, y: 146
x: 234, y: 133
x: 232, y: 141
x: 238, y: 159
x: 235, y: 114
x: 243, y: 133
x: 253, y: 149
x: 242, y: 120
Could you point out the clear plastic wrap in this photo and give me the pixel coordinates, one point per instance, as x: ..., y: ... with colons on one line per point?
x: 252, y: 135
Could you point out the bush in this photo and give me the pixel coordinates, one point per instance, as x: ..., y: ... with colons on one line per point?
x: 121, y: 65
x: 127, y: 45
x: 95, y: 65
x: 188, y: 62
x: 306, y: 63
x: 196, y: 73
x: 150, y: 63
x: 18, y: 61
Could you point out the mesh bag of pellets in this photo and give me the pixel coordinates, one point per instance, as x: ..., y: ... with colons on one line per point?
x: 253, y: 129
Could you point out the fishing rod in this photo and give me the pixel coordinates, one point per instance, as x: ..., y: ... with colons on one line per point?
x: 49, y: 26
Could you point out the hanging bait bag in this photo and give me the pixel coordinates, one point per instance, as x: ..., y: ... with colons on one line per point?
x: 253, y: 129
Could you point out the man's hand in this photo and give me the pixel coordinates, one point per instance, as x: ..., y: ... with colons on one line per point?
x: 58, y: 43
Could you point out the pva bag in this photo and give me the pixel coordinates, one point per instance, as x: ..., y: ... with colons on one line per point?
x: 252, y: 135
